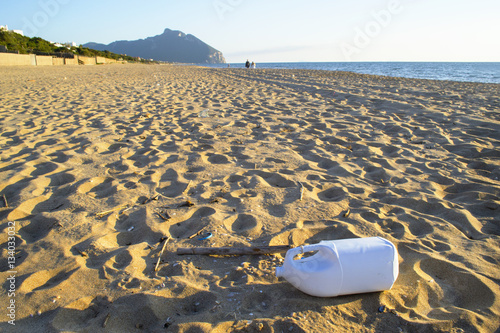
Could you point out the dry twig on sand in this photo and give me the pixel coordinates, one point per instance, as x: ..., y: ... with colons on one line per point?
x: 234, y: 250
x: 161, y: 252
x: 301, y: 191
x: 199, y: 232
x: 102, y: 214
x: 105, y: 322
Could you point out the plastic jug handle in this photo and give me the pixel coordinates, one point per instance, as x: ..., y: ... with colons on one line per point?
x: 327, y: 250
x: 314, y: 247
x: 290, y: 255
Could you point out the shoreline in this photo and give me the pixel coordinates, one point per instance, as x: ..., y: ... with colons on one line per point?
x: 370, y: 68
x: 101, y: 163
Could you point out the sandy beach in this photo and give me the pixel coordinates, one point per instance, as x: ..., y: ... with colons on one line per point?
x: 100, y: 164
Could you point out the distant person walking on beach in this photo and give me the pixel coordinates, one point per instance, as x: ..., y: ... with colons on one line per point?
x: 253, y: 64
x: 247, y: 64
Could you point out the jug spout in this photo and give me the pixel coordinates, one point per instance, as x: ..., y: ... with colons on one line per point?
x: 279, y: 271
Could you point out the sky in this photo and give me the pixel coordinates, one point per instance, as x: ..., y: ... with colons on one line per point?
x: 279, y: 30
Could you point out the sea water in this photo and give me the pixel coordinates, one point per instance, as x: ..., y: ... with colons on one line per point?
x: 484, y: 72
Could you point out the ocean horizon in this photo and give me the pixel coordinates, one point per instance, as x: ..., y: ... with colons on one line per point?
x: 482, y: 72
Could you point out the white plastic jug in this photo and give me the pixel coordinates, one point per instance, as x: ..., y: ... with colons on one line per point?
x: 342, y: 267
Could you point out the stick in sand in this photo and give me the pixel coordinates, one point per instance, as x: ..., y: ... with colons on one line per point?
x: 234, y: 250
x: 5, y: 201
x: 101, y: 214
x: 301, y: 191
x: 187, y: 187
x: 105, y: 322
x: 161, y: 253
x: 199, y: 232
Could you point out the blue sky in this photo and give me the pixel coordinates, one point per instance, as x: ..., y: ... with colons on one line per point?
x: 279, y: 30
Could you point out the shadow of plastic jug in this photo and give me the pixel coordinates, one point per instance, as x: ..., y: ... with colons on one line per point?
x: 342, y: 267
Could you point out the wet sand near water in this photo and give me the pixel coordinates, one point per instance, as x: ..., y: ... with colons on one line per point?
x: 99, y: 164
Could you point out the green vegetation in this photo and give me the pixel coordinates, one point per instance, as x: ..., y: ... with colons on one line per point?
x: 26, y: 45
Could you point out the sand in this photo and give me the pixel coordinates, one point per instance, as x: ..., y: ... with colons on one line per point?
x: 100, y: 163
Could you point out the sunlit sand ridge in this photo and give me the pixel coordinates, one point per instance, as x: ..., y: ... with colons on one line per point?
x: 100, y: 164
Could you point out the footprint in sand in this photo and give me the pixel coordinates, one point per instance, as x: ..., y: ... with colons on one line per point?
x: 333, y: 194
x: 198, y: 303
x: 244, y: 224
x: 144, y: 157
x: 235, y: 178
x: 273, y: 179
x: 416, y: 225
x: 218, y: 159
x: 393, y: 228
x: 174, y: 187
x: 117, y: 168
x: 327, y: 164
x: 122, y: 260
x: 45, y: 279
x: 454, y: 288
x: 11, y: 166
x: 197, y: 221
x: 38, y: 228
x: 61, y: 178
x: 96, y: 251
x: 99, y: 187
x: 175, y: 269
x: 59, y: 157
x: 129, y: 259
x: 311, y: 232
x: 151, y: 177
x: 258, y: 301
x: 116, y: 147
x: 44, y: 168
x: 134, y: 229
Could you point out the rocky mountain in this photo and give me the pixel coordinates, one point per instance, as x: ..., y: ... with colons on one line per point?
x: 171, y: 45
